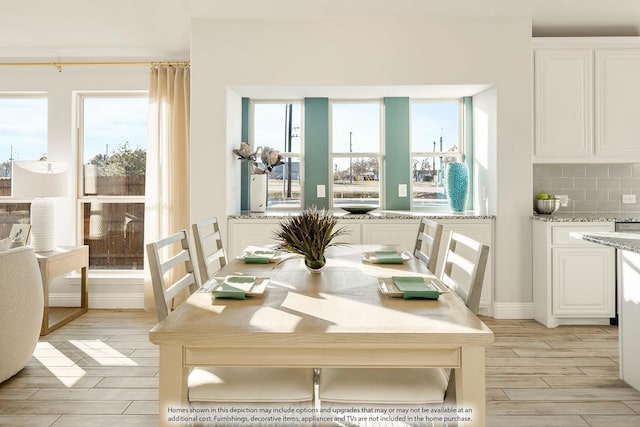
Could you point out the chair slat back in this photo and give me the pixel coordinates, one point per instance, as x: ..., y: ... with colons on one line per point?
x: 428, y: 243
x: 464, y: 266
x: 171, y: 267
x: 209, y: 249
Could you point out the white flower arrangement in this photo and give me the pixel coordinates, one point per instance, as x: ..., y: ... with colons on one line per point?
x: 270, y: 157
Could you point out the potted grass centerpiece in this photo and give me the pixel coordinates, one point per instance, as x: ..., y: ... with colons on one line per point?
x: 309, y: 234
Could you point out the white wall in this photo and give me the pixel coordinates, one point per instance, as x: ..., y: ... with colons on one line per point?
x: 228, y: 54
x: 60, y: 87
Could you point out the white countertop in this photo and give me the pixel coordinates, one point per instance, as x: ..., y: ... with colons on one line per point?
x: 624, y: 241
x: 376, y: 214
x: 588, y: 217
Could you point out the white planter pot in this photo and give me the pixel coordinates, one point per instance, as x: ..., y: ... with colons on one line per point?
x: 258, y: 192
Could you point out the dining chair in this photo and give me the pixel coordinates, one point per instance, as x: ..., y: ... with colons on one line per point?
x: 209, y: 248
x: 171, y: 268
x: 428, y: 242
x: 463, y: 272
x: 172, y: 273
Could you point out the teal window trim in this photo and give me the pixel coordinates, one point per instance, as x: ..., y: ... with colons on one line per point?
x: 244, y: 174
x: 397, y: 159
x: 316, y: 149
x: 467, y: 135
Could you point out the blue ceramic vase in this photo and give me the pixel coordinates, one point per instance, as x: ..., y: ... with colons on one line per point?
x: 457, y: 185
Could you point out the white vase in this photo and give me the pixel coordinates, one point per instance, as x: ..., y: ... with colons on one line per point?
x: 258, y: 192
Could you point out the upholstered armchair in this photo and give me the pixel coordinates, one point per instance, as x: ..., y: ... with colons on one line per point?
x: 21, y: 308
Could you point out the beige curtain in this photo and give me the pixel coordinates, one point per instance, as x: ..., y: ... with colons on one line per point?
x: 167, y: 174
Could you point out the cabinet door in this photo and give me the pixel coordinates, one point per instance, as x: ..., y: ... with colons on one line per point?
x: 243, y: 234
x: 563, y: 104
x: 391, y: 233
x: 617, y: 108
x: 353, y: 232
x: 583, y: 282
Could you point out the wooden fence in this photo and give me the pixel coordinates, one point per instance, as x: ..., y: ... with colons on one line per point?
x: 114, y: 232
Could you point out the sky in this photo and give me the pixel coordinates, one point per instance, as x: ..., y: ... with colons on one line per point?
x: 23, y: 126
x: 356, y: 127
x: 110, y: 122
x: 107, y: 120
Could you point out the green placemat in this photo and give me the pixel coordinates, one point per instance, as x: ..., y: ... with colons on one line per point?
x: 235, y: 287
x: 259, y: 257
x: 388, y: 257
x: 415, y: 287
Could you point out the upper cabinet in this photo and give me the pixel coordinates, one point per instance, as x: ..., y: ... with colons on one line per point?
x: 617, y: 108
x: 585, y: 100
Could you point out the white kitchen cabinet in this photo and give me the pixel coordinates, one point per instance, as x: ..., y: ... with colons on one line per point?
x: 563, y: 103
x: 243, y: 233
x: 573, y: 280
x: 617, y: 93
x: 585, y: 100
x: 398, y: 232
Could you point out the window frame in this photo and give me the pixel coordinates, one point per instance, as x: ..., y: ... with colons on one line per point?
x: 293, y: 155
x: 435, y: 206
x: 380, y: 155
x: 81, y: 198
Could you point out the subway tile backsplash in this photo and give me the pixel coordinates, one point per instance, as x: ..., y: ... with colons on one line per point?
x: 591, y: 188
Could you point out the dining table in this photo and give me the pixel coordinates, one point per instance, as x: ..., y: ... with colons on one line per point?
x: 339, y: 317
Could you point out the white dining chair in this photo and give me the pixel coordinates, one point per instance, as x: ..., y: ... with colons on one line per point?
x: 463, y: 272
x: 428, y: 242
x: 209, y: 248
x: 172, y: 274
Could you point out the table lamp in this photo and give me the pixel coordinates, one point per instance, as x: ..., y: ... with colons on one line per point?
x: 40, y: 180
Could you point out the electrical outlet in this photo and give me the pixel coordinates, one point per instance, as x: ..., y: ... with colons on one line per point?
x: 564, y: 199
x: 402, y: 190
x: 320, y: 191
x: 628, y: 198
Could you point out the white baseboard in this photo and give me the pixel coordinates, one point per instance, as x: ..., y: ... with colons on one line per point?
x: 513, y: 310
x: 100, y: 300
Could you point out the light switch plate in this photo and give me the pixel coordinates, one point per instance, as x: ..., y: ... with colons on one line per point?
x: 564, y: 199
x: 402, y: 190
x: 628, y: 198
x: 320, y: 191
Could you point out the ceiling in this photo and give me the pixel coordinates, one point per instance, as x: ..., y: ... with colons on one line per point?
x: 160, y: 29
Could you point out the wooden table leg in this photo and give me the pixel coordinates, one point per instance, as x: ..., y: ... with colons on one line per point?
x: 471, y: 387
x: 173, y: 384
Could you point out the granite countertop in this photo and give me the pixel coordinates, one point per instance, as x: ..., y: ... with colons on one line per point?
x: 376, y: 214
x: 625, y: 241
x: 588, y: 217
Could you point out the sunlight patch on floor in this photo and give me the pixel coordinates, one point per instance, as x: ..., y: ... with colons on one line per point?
x: 63, y: 368
x: 103, y: 353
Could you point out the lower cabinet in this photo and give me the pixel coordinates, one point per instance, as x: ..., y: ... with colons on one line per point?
x: 259, y: 231
x: 573, y: 280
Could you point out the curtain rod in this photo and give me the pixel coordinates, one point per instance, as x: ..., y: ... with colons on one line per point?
x: 59, y: 65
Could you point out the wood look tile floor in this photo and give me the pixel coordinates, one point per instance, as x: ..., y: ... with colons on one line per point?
x: 101, y: 370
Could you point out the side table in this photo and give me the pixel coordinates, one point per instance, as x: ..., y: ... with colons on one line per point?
x: 63, y: 260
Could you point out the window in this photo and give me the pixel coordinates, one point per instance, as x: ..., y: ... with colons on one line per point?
x: 112, y: 149
x: 277, y: 125
x: 355, y: 155
x: 435, y: 141
x: 23, y: 132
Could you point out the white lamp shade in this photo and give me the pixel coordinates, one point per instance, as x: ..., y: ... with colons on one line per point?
x: 37, y: 178
x: 40, y: 180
